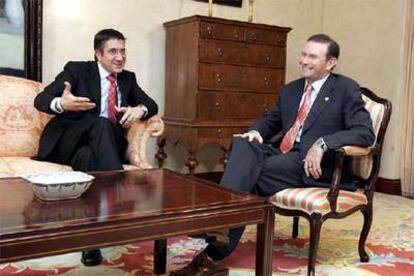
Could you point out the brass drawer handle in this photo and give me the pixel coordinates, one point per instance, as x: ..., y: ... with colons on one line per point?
x: 265, y: 108
x: 219, y: 133
x: 268, y: 58
x: 218, y: 77
x: 235, y: 34
x: 254, y: 36
x: 219, y: 52
x: 209, y: 32
x: 243, y: 70
x: 218, y: 106
x: 266, y: 81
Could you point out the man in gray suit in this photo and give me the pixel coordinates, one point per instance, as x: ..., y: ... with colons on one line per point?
x: 314, y: 115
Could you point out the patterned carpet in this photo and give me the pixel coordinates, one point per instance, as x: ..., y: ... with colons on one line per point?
x: 390, y: 247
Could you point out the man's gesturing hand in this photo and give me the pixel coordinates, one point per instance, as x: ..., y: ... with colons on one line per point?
x: 131, y: 114
x: 70, y: 102
x: 251, y: 135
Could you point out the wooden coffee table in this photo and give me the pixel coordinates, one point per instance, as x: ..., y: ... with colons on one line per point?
x: 125, y: 207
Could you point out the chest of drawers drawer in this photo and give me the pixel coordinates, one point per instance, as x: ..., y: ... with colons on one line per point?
x: 239, y: 78
x: 265, y: 36
x: 221, y: 31
x: 233, y: 105
x: 232, y: 52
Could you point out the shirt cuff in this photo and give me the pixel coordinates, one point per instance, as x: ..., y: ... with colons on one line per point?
x: 56, y: 105
x: 321, y: 143
x: 145, y: 109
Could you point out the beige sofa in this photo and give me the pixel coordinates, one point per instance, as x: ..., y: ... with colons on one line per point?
x: 21, y: 126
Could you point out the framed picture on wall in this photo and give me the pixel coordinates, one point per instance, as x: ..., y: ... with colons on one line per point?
x: 21, y: 38
x: 234, y: 3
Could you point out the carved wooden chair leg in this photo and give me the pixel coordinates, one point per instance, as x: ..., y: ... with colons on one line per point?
x: 367, y: 213
x: 295, y: 227
x: 160, y: 256
x: 315, y: 231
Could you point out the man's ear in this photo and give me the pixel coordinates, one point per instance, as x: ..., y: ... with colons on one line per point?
x: 332, y: 63
x: 98, y: 54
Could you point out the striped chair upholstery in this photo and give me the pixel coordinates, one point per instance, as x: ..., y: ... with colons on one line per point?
x: 314, y: 200
x: 362, y: 166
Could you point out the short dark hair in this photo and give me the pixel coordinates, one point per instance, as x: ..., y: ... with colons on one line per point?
x: 103, y: 36
x: 333, y: 46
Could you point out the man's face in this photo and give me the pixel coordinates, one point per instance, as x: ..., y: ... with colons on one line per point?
x: 313, y: 62
x: 112, y: 57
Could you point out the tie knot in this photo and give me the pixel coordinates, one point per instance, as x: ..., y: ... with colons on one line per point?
x: 111, y: 78
x: 308, y: 87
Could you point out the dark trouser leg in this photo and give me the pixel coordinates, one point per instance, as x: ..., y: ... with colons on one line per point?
x: 107, y: 144
x: 244, y: 165
x: 219, y: 252
x: 259, y: 169
x: 83, y: 159
x: 99, y: 147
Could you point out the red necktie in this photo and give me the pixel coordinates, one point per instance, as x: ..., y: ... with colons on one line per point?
x: 112, y: 98
x: 289, y: 139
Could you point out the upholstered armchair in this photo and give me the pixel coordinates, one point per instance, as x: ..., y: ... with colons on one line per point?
x: 21, y: 126
x: 320, y: 204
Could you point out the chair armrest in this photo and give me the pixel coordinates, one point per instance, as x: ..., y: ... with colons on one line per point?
x: 137, y: 137
x: 353, y: 151
x: 356, y: 151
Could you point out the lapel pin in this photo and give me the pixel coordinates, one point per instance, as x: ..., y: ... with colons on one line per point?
x: 326, y: 99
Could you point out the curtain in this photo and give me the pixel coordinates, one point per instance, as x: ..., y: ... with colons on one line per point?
x: 407, y: 154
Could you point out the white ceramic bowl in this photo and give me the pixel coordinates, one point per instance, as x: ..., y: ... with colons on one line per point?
x: 58, y: 185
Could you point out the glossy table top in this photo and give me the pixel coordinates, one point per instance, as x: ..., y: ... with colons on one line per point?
x: 113, y: 196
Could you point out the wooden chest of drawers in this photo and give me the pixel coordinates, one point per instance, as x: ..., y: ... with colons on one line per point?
x: 220, y: 76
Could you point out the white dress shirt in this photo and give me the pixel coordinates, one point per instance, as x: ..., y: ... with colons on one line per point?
x: 105, y: 83
x: 56, y: 104
x: 316, y: 87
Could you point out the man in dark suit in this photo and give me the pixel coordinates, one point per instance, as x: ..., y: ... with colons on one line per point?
x: 314, y: 115
x: 94, y: 103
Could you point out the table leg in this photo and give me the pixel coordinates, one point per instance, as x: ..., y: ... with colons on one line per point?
x: 264, y: 243
x: 160, y: 256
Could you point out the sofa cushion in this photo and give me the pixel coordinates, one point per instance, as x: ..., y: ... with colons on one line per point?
x: 14, y: 166
x: 20, y: 123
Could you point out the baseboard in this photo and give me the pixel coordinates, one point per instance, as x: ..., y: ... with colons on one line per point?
x: 388, y: 186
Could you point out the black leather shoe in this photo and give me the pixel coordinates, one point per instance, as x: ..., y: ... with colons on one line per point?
x: 91, y: 258
x: 201, y: 265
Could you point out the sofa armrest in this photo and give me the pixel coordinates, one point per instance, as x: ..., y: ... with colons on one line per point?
x: 137, y: 137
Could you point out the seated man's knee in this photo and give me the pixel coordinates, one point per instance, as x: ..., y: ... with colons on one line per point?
x: 102, y: 122
x: 242, y: 143
x: 101, y: 126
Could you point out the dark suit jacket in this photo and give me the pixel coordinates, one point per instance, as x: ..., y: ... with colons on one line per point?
x: 85, y: 80
x: 337, y: 115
